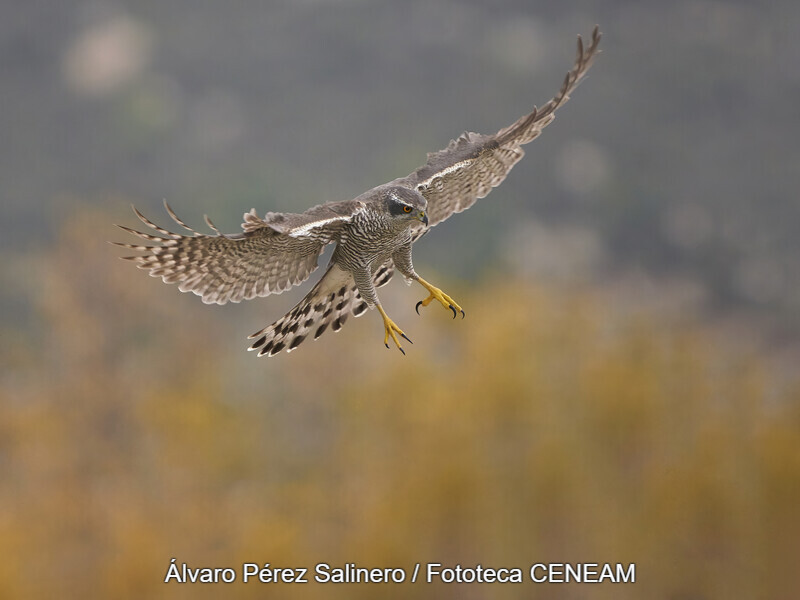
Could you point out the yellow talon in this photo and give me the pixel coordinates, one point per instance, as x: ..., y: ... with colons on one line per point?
x: 391, y: 328
x: 437, y: 294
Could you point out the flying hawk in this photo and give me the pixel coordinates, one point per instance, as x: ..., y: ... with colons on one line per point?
x: 373, y: 233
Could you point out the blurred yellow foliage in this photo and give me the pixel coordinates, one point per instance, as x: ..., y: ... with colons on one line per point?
x: 546, y: 427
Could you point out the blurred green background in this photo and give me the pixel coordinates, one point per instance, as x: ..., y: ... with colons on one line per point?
x: 623, y: 389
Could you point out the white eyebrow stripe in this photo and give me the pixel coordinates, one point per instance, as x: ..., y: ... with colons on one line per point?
x: 451, y: 169
x: 398, y: 199
x: 303, y: 229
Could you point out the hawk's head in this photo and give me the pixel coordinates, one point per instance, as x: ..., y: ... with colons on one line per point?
x: 406, y: 204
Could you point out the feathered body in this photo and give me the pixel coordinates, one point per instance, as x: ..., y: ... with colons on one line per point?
x: 361, y: 262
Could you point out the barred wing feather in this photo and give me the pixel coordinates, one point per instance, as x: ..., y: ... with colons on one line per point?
x: 453, y: 179
x: 269, y: 257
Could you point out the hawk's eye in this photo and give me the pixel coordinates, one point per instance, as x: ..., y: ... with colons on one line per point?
x: 406, y: 209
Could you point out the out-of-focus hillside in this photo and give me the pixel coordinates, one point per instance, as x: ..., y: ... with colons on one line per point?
x: 548, y: 426
x: 612, y: 394
x: 677, y: 158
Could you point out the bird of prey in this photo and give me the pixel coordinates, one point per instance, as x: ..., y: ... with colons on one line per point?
x: 374, y: 234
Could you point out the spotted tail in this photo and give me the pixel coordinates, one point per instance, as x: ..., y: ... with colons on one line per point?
x: 327, y: 305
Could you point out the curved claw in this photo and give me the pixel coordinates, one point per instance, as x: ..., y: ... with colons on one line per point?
x: 441, y: 297
x: 399, y: 347
x: 391, y: 330
x: 463, y: 314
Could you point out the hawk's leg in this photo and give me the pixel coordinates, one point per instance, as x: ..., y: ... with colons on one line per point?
x: 437, y: 294
x: 366, y: 287
x: 402, y: 260
x: 391, y: 330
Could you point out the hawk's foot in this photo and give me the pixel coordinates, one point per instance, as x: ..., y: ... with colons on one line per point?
x: 392, y: 330
x: 437, y: 294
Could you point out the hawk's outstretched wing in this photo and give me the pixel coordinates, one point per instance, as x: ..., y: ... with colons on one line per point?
x: 270, y: 256
x: 454, y: 178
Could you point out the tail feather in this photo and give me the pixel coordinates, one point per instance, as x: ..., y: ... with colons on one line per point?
x: 327, y: 305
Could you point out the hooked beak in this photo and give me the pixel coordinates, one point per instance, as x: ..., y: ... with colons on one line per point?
x: 423, y: 218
